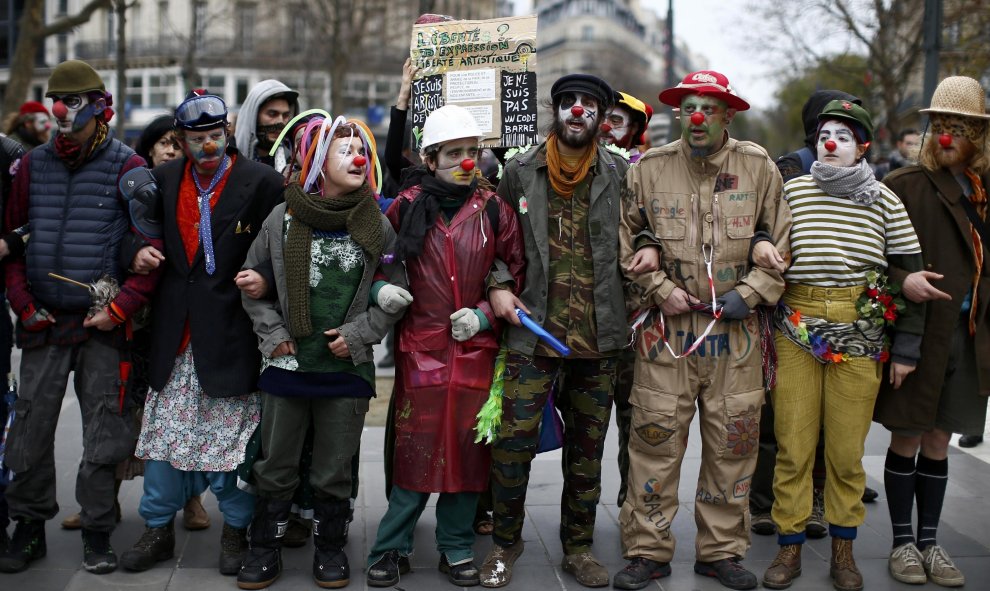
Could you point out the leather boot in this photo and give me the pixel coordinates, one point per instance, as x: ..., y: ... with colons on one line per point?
x: 785, y: 567
x: 845, y: 575
x: 263, y: 563
x: 330, y: 568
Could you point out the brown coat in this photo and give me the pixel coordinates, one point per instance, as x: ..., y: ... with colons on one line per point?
x: 932, y: 200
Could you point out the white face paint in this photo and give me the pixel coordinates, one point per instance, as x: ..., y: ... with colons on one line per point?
x: 450, y: 164
x: 67, y: 110
x: 343, y: 174
x: 844, y: 151
x: 618, y: 120
x: 578, y: 126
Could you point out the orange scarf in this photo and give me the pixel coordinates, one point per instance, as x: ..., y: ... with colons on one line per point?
x: 979, y: 200
x: 566, y: 176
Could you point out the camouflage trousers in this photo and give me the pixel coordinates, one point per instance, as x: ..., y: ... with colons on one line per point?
x: 584, y: 398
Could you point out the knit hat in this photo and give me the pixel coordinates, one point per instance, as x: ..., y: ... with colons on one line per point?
x: 33, y: 107
x: 585, y: 84
x: 705, y: 83
x: 850, y: 113
x: 74, y: 77
x: 959, y: 95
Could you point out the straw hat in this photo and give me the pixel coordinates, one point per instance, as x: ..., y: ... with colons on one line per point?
x: 959, y: 95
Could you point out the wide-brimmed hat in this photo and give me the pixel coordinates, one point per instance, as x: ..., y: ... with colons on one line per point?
x: 705, y: 83
x: 959, y: 95
x: 851, y: 113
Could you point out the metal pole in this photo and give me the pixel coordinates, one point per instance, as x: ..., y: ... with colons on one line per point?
x: 933, y: 45
x: 671, y: 52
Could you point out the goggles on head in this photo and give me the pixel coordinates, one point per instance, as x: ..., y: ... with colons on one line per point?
x: 201, y: 112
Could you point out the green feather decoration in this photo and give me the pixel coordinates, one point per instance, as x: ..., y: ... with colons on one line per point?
x: 490, y: 415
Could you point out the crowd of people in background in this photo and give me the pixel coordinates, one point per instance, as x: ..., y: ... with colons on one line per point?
x: 216, y: 292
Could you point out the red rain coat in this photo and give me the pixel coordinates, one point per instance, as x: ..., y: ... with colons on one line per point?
x: 441, y: 384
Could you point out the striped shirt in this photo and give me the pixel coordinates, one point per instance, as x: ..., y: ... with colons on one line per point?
x: 835, y: 241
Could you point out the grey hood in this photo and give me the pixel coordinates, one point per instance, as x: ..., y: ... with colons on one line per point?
x: 247, y: 118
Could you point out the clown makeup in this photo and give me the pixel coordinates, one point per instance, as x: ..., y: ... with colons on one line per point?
x: 837, y: 144
x: 166, y: 148
x: 617, y: 128
x: 456, y: 161
x: 41, y: 125
x: 205, y: 148
x: 577, y: 119
x: 707, y: 137
x: 71, y: 112
x: 959, y: 127
x: 346, y: 166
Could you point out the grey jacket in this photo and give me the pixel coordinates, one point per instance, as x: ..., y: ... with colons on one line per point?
x: 525, y: 176
x: 364, y: 325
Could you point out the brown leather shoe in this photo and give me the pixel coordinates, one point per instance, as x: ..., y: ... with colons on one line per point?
x: 586, y: 569
x: 845, y: 575
x: 496, y: 571
x: 194, y: 516
x: 73, y: 521
x: 785, y: 567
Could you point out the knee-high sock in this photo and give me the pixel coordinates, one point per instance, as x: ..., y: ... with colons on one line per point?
x: 899, y: 481
x: 933, y: 476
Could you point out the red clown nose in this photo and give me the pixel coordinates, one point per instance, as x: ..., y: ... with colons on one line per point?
x: 830, y: 145
x: 606, y: 128
x: 59, y: 110
x: 467, y: 165
x: 944, y: 140
x: 360, y: 161
x: 577, y: 110
x: 697, y: 118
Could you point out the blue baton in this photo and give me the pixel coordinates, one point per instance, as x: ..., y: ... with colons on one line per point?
x: 543, y: 334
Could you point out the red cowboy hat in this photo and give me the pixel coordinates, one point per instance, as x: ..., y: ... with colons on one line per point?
x: 706, y: 83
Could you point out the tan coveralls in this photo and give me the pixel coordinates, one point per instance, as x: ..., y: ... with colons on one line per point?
x: 681, y: 205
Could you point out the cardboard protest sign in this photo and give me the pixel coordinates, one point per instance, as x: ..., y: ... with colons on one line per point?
x: 486, y: 66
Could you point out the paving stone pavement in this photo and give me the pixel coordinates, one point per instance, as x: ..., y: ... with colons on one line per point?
x: 965, y: 531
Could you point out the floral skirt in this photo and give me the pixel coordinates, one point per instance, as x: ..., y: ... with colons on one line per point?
x: 193, y: 432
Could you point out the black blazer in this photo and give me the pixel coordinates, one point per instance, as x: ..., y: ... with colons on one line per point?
x: 225, y: 348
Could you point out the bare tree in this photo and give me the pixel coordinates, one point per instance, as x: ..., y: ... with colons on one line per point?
x: 32, y: 32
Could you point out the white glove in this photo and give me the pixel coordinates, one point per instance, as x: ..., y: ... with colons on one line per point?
x: 392, y: 298
x: 464, y: 324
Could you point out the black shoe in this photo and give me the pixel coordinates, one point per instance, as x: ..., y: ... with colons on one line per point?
x: 728, y: 571
x: 155, y: 545
x: 263, y: 562
x: 970, y: 440
x: 26, y: 545
x: 385, y: 572
x: 761, y: 524
x: 233, y: 548
x: 98, y: 555
x: 870, y: 495
x: 463, y: 574
x: 639, y: 572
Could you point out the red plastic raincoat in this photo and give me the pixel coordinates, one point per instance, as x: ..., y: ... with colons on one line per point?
x: 441, y: 384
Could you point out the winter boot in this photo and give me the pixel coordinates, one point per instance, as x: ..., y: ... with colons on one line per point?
x: 330, y: 568
x: 263, y: 563
x: 26, y: 545
x: 156, y: 544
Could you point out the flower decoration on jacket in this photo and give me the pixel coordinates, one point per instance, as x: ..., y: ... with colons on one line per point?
x: 881, y: 300
x: 618, y: 151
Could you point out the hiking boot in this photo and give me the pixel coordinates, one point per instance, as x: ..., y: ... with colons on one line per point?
x: 98, y: 555
x: 386, y: 570
x: 586, y: 569
x: 816, y: 527
x: 155, y: 545
x: 233, y: 548
x: 762, y: 524
x: 904, y: 565
x: 728, y: 571
x: 496, y: 571
x: 298, y: 532
x: 26, y: 545
x: 195, y: 517
x: 939, y: 567
x: 785, y: 567
x: 463, y: 574
x: 330, y: 567
x: 639, y: 572
x: 263, y: 562
x: 869, y: 495
x: 845, y: 575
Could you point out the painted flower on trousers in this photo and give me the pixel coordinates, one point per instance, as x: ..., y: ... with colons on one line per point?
x: 743, y: 435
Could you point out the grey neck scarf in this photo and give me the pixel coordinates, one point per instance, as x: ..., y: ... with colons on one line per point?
x: 856, y: 182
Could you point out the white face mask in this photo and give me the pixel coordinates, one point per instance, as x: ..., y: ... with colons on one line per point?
x: 840, y: 138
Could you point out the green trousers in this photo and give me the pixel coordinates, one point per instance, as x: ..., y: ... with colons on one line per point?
x: 455, y: 516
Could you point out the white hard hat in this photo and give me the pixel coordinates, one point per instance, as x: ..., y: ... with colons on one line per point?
x: 447, y: 123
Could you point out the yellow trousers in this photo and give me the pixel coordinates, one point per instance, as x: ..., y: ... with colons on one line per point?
x: 808, y: 394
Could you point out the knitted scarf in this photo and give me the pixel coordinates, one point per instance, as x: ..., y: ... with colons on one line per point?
x: 73, y: 155
x: 422, y: 213
x: 979, y: 200
x: 565, y: 177
x: 856, y: 183
x: 355, y: 212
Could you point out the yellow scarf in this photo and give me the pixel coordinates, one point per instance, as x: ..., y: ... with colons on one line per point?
x: 566, y: 173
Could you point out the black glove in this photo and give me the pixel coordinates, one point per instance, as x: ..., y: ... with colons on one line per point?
x: 734, y: 307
